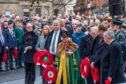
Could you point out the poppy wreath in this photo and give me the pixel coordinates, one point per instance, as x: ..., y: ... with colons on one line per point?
x: 84, y: 67
x: 35, y: 57
x: 43, y: 58
x: 50, y: 74
x: 95, y: 75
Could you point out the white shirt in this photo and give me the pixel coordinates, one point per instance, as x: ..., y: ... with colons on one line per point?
x: 56, y: 42
x: 2, y: 38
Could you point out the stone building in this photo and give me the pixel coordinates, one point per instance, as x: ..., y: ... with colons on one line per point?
x: 86, y: 6
x: 23, y: 7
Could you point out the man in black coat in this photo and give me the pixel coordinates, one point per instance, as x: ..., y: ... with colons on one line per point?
x: 85, y: 45
x: 29, y: 41
x: 54, y: 37
x: 97, y: 56
x: 111, y: 61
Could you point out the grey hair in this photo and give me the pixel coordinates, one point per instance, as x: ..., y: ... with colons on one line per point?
x: 110, y: 34
x: 56, y: 22
x: 94, y: 29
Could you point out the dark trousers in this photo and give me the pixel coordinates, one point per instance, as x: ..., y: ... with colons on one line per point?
x: 90, y: 79
x: 43, y: 80
x: 1, y: 57
x: 29, y: 73
x: 19, y: 60
x: 9, y: 62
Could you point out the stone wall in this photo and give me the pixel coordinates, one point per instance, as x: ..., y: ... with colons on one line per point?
x: 16, y: 6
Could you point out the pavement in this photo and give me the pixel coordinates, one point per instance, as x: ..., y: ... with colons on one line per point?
x: 17, y: 77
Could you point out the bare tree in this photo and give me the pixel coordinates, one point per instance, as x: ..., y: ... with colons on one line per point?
x: 61, y: 3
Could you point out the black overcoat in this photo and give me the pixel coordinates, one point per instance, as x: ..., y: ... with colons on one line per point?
x: 112, y: 64
x: 29, y: 39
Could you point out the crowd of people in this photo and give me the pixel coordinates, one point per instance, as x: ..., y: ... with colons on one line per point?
x: 98, y: 38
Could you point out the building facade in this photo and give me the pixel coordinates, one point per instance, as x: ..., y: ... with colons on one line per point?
x: 86, y: 6
x: 23, y: 7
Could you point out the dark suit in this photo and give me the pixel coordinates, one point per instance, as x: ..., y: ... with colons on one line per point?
x: 29, y: 39
x: 49, y: 39
x: 94, y: 49
x: 111, y: 64
x: 85, y: 46
x: 97, y: 56
x: 10, y: 42
x: 10, y: 39
x: 2, y: 49
x: 95, y: 46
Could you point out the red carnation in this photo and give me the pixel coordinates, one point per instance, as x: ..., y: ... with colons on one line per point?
x: 35, y: 57
x: 84, y: 67
x: 28, y: 37
x: 95, y: 74
x: 50, y: 74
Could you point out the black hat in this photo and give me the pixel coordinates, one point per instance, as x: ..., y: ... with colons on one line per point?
x: 79, y: 25
x: 117, y: 22
x: 10, y: 22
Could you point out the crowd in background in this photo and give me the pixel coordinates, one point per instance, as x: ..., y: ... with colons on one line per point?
x: 100, y: 38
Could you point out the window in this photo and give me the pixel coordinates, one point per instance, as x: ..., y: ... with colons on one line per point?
x: 38, y: 11
x: 26, y: 12
x: 46, y: 10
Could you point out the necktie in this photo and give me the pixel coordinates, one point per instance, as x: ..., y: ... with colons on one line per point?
x: 53, y: 43
x: 2, y: 40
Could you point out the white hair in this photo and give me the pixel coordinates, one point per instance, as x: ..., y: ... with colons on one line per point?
x: 97, y: 22
x: 91, y: 21
x: 109, y: 34
x: 94, y: 29
x: 29, y: 25
x: 74, y: 21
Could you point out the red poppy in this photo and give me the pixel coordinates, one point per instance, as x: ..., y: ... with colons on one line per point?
x: 28, y: 37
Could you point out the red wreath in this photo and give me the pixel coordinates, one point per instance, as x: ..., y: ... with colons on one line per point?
x: 15, y: 53
x: 95, y: 74
x: 50, y: 74
x: 5, y: 57
x: 40, y: 55
x: 107, y: 81
x: 35, y: 57
x: 84, y: 67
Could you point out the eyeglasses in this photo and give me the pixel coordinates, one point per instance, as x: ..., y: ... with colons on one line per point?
x: 55, y: 25
x: 29, y: 27
x: 74, y: 24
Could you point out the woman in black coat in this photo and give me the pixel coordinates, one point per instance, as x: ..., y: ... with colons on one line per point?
x: 29, y: 41
x: 111, y: 61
